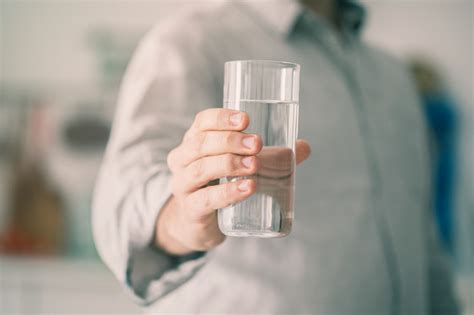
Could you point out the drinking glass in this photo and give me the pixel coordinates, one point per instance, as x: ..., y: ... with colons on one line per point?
x: 268, y: 91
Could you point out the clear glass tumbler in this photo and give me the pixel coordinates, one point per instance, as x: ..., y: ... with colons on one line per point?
x: 268, y: 91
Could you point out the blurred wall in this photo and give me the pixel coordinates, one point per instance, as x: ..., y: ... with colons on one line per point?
x: 46, y: 42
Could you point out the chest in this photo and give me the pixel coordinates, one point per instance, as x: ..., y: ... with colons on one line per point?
x: 356, y: 112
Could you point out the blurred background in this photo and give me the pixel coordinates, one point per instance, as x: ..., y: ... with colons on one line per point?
x: 60, y: 68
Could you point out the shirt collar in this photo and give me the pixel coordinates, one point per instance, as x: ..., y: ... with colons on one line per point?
x: 278, y: 15
x: 282, y: 15
x: 353, y: 15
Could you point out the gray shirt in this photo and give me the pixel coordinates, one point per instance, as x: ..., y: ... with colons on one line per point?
x: 361, y: 240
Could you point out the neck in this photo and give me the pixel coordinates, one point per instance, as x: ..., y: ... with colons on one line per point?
x: 327, y: 9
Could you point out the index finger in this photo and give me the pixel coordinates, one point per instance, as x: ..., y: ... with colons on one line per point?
x: 220, y: 119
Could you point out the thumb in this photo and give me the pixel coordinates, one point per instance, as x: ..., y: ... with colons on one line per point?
x: 303, y: 150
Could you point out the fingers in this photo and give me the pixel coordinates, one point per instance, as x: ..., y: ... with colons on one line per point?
x: 213, y: 143
x: 202, y: 171
x: 206, y: 200
x: 220, y: 119
x: 303, y: 150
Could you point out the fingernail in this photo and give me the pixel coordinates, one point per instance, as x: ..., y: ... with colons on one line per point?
x: 249, y: 142
x: 247, y: 161
x: 235, y: 119
x: 244, y: 186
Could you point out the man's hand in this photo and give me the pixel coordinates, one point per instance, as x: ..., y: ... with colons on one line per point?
x: 214, y: 147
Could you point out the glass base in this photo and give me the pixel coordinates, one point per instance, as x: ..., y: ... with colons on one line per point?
x: 260, y: 234
x: 261, y: 215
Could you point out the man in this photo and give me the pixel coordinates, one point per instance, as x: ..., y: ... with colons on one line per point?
x: 360, y: 241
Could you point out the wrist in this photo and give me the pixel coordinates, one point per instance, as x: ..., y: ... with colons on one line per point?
x: 166, y: 231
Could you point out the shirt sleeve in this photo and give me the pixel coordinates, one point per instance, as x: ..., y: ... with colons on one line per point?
x: 166, y: 84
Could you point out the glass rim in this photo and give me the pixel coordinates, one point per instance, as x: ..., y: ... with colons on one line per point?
x: 283, y: 64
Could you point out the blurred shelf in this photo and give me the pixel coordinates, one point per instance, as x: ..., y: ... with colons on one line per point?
x: 60, y: 286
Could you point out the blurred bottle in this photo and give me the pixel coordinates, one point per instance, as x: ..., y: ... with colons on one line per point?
x: 35, y: 221
x: 35, y: 210
x: 441, y: 116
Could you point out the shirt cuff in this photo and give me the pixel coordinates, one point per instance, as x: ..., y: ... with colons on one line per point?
x: 153, y: 273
